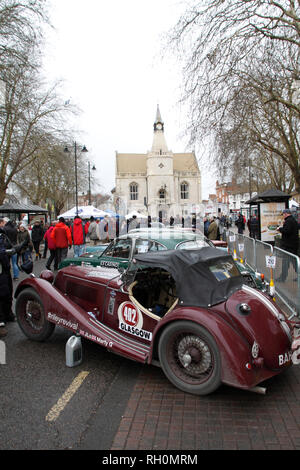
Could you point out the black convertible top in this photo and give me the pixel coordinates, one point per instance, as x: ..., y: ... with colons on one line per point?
x: 203, y: 277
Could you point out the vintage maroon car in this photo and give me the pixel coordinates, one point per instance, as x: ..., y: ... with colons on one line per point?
x: 187, y: 311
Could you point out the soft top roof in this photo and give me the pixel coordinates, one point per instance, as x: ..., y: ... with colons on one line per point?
x: 195, y: 282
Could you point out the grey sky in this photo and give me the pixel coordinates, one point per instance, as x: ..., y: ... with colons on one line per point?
x: 110, y: 56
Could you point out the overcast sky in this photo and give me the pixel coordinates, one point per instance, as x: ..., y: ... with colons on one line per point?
x: 109, y: 54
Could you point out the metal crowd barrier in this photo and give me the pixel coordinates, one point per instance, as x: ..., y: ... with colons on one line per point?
x: 286, y: 272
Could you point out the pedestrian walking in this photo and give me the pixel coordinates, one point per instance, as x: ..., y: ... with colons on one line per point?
x: 11, y: 231
x: 51, y: 246
x: 78, y: 236
x: 103, y: 230
x: 206, y: 225
x: 240, y: 223
x: 254, y: 226
x: 61, y: 235
x: 37, y: 234
x: 45, y: 228
x: 212, y: 232
x: 24, y: 237
x: 86, y: 229
x: 93, y: 231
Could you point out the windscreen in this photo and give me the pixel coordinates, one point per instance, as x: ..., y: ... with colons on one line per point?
x: 192, y: 244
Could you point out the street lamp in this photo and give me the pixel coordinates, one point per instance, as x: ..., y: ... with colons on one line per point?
x: 94, y: 169
x: 84, y: 149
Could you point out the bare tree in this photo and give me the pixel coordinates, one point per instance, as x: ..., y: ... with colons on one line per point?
x: 241, y: 60
x: 20, y: 28
x: 30, y: 114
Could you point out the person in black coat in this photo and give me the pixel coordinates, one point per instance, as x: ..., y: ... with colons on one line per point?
x: 240, y: 223
x: 289, y: 242
x: 289, y: 233
x: 12, y: 232
x: 37, y: 235
x: 6, y: 287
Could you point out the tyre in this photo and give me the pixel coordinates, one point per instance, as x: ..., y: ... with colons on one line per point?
x: 190, y: 358
x: 31, y: 316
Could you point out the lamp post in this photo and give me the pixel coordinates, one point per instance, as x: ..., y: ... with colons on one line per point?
x: 84, y: 149
x: 94, y: 169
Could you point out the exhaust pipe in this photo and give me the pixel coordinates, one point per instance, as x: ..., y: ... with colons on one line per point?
x: 260, y: 390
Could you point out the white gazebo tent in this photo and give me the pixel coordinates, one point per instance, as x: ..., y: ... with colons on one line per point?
x: 137, y: 214
x: 85, y: 212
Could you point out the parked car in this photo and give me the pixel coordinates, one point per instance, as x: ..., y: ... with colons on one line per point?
x: 121, y: 251
x: 188, y: 311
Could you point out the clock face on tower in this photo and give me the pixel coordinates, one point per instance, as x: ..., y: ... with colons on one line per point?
x: 159, y: 126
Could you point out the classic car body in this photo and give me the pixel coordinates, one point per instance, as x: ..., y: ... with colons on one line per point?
x: 120, y: 252
x: 188, y: 311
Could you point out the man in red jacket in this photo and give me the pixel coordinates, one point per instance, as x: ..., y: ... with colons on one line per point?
x: 52, y: 247
x: 78, y: 236
x: 61, y: 235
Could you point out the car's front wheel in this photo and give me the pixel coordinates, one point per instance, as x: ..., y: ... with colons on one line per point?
x: 190, y: 358
x: 31, y: 316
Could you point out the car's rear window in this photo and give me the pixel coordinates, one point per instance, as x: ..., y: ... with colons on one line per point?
x: 223, y: 270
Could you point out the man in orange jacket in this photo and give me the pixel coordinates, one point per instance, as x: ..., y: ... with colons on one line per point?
x: 61, y: 235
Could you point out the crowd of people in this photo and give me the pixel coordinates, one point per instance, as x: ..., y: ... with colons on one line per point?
x: 215, y: 226
x: 61, y: 235
x: 56, y: 237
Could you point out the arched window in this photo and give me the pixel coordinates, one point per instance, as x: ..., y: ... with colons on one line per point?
x: 184, y: 190
x: 133, y: 190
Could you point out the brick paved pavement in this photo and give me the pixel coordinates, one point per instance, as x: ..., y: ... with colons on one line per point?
x: 160, y: 417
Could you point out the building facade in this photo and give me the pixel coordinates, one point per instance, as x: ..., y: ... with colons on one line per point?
x: 232, y: 196
x: 158, y: 183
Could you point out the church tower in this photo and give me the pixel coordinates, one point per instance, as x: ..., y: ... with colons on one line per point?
x: 158, y: 183
x: 160, y: 170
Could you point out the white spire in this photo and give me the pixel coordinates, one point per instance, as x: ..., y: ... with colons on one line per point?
x: 159, y: 142
x: 158, y: 116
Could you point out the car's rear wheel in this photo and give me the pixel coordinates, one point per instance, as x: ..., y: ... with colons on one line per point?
x: 31, y: 316
x: 190, y: 358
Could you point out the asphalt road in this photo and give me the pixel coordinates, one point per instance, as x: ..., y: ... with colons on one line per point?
x: 109, y: 402
x: 47, y: 405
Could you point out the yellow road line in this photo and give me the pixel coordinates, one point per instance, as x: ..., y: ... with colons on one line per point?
x: 66, y: 397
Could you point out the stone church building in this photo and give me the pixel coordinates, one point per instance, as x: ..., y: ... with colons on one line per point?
x: 158, y: 183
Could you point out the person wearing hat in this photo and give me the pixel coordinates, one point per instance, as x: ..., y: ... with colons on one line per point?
x: 289, y: 233
x: 93, y: 231
x: 23, y: 236
x: 212, y: 231
x: 289, y: 241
